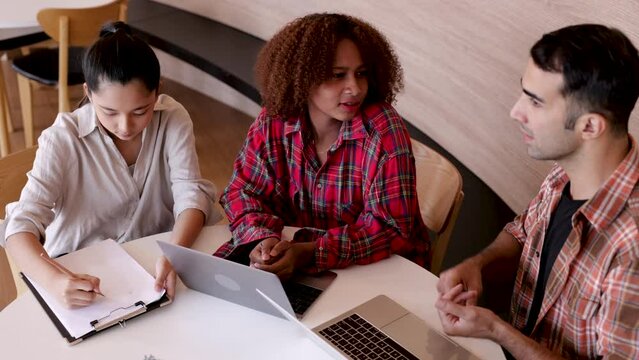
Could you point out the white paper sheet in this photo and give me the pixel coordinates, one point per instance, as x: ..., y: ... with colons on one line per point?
x: 122, y: 281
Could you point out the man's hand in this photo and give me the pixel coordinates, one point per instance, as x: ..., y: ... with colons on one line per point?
x: 468, y: 274
x: 465, y: 320
x: 165, y: 276
x: 474, y: 321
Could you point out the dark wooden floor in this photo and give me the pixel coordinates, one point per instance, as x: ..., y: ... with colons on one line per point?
x: 219, y: 129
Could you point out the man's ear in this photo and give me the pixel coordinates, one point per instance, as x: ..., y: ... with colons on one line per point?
x: 592, y: 125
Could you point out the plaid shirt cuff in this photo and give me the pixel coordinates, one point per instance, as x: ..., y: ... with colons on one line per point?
x: 313, y: 235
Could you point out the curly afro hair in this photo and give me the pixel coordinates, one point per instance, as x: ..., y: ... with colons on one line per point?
x: 300, y: 56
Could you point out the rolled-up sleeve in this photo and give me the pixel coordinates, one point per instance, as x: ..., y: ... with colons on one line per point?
x: 249, y: 197
x: 190, y: 191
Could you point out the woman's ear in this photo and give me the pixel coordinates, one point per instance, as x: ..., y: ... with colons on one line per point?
x: 87, y: 93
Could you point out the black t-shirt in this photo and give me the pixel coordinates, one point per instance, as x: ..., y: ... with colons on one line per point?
x: 559, y: 228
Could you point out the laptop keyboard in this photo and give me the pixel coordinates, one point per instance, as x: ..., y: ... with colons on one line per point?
x: 301, y: 296
x: 359, y: 339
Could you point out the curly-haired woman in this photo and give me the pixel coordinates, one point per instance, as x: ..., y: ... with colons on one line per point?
x: 327, y: 153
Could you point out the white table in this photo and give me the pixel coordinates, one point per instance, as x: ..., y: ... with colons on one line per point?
x: 198, y: 326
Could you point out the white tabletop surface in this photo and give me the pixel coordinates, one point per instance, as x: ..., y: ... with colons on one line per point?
x: 22, y: 13
x: 198, y: 326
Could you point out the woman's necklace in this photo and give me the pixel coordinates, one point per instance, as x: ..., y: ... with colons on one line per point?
x: 323, y: 150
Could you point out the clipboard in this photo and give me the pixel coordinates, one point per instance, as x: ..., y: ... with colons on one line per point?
x: 78, y: 324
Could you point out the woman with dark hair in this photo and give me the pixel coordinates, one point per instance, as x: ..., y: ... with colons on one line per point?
x: 328, y: 153
x: 122, y: 166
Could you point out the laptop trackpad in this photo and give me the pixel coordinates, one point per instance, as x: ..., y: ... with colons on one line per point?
x: 413, y: 334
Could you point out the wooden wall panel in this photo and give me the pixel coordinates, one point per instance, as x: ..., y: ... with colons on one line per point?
x: 462, y: 60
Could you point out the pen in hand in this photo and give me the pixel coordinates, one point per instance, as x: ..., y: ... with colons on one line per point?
x: 68, y: 272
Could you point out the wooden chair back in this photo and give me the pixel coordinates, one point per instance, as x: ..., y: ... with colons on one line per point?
x: 76, y: 27
x: 13, y: 177
x: 8, y: 291
x: 440, y: 195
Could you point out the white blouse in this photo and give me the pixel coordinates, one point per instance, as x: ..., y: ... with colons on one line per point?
x: 81, y: 191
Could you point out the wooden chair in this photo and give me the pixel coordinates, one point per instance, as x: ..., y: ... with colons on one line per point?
x: 73, y: 29
x: 5, y: 119
x: 8, y: 291
x: 439, y: 190
x: 13, y: 177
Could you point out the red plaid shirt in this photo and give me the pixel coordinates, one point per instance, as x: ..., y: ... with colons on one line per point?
x: 591, y: 302
x: 358, y: 208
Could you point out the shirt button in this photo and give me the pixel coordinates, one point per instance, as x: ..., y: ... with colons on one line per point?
x: 319, y: 185
x: 320, y: 248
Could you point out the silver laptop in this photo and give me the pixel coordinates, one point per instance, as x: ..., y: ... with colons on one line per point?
x: 236, y: 283
x: 382, y: 327
x: 303, y: 330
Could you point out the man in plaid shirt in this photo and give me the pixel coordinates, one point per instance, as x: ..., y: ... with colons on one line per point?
x: 576, y: 291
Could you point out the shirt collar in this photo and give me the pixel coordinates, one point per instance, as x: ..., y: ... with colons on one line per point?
x: 350, y: 130
x: 604, y: 207
x: 354, y: 129
x: 558, y: 178
x: 293, y: 124
x: 88, y: 121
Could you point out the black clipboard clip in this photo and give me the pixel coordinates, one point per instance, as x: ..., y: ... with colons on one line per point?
x: 119, y: 316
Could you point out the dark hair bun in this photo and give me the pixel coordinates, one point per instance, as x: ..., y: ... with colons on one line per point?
x: 114, y: 28
x: 118, y: 56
